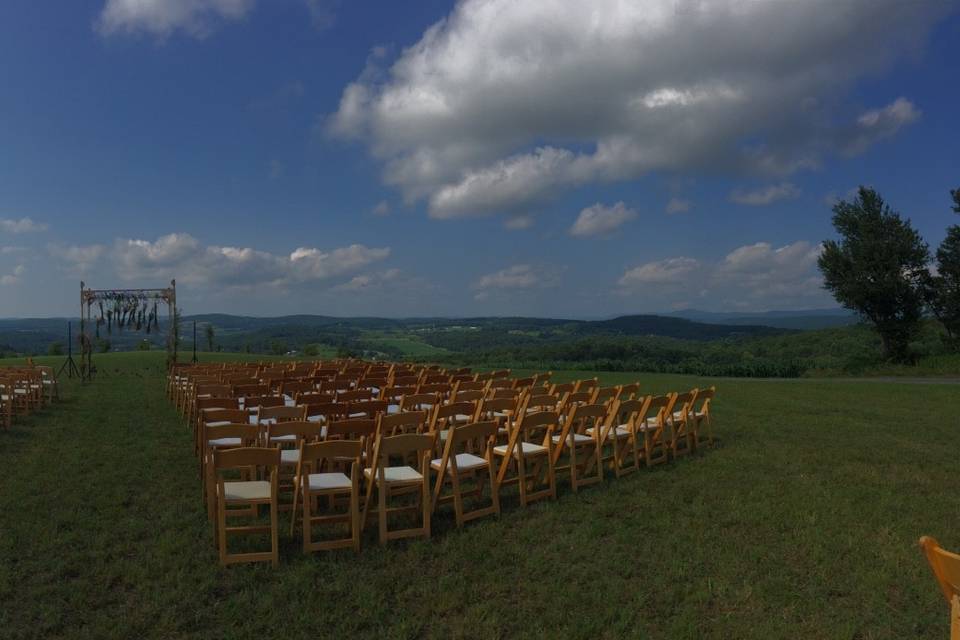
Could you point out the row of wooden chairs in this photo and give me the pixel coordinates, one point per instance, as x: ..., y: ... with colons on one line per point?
x: 524, y: 438
x: 25, y: 389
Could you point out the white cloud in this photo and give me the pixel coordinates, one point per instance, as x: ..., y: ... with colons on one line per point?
x: 370, y: 281
x: 13, y: 278
x: 163, y: 17
x: 502, y: 105
x: 765, y: 195
x: 77, y: 258
x: 669, y: 271
x: 23, y: 225
x: 756, y: 276
x: 877, y: 124
x: 677, y: 205
x: 516, y: 223
x: 519, y: 276
x: 181, y: 256
x: 382, y: 208
x: 600, y: 219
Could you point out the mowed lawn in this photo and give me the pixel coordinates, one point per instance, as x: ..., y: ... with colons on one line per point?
x: 803, y: 523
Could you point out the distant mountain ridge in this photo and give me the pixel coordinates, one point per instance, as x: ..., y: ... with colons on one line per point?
x: 797, y: 319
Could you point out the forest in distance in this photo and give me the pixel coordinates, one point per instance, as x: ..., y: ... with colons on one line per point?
x: 772, y: 344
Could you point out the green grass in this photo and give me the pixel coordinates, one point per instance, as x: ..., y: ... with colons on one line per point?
x: 803, y: 523
x: 409, y: 345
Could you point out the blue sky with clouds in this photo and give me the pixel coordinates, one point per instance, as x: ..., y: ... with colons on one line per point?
x: 547, y: 157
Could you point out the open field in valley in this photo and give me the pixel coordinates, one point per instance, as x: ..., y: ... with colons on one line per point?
x: 803, y: 522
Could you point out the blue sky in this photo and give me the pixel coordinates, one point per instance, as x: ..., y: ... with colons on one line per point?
x: 484, y: 157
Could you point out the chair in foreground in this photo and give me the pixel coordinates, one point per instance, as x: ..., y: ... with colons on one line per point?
x: 246, y: 494
x: 459, y: 463
x: 946, y: 569
x: 314, y: 485
x: 402, y: 479
x: 528, y: 448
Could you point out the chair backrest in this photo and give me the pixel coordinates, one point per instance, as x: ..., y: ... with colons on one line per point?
x: 206, y: 404
x: 542, y: 402
x: 329, y: 411
x: 357, y: 395
x: 282, y: 414
x: 583, y: 416
x: 261, y: 457
x: 629, y: 412
x: 945, y: 566
x: 246, y: 432
x: 263, y: 401
x: 237, y: 416
x: 491, y: 406
x: 313, y: 454
x: 405, y: 422
x: 468, y: 396
x: 445, y: 414
x: 213, y: 390
x: 534, y: 427
x: 313, y: 397
x: 587, y: 385
x: 471, y: 385
x: 506, y: 392
x: 418, y: 401
x: 704, y: 399
x: 659, y: 409
x: 404, y: 445
x: 500, y: 383
x: 250, y: 390
x: 604, y: 394
x: 683, y: 402
x: 352, y: 429
x: 629, y: 391
x: 477, y: 438
x: 369, y: 408
x: 565, y: 387
x: 394, y: 393
x: 301, y: 430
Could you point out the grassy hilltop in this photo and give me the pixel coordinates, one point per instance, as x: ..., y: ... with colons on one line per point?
x: 803, y: 523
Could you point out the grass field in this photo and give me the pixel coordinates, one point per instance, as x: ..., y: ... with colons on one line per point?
x: 802, y: 524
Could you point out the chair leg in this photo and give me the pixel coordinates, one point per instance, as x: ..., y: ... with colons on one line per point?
x: 274, y: 542
x: 307, y: 521
x: 355, y: 517
x: 382, y: 502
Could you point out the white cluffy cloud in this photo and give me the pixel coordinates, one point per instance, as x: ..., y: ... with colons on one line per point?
x: 504, y: 104
x: 23, y: 225
x: 182, y: 256
x: 12, y: 278
x: 765, y: 195
x: 600, y: 219
x: 755, y: 276
x: 196, y: 18
x: 678, y: 205
x: 163, y: 17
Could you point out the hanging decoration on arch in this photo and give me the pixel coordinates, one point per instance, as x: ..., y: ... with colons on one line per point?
x: 105, y: 311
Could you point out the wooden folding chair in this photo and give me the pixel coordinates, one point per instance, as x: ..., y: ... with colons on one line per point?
x: 419, y: 402
x: 314, y: 484
x: 946, y: 569
x: 402, y: 479
x: 446, y: 416
x: 459, y: 463
x: 246, y: 494
x: 221, y: 435
x: 681, y: 420
x: 288, y: 436
x: 628, y: 391
x: 621, y: 433
x: 702, y: 420
x: 266, y: 415
x: 399, y: 423
x: 582, y: 446
x: 529, y: 444
x: 650, y: 426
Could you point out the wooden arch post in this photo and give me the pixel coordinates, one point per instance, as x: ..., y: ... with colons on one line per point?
x: 131, y: 310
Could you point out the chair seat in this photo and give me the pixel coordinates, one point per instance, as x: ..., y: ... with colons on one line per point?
x: 328, y: 481
x: 578, y: 438
x: 622, y: 431
x: 224, y: 442
x: 462, y: 417
x: 465, y: 462
x: 244, y: 491
x: 643, y: 426
x: 217, y: 423
x: 287, y: 438
x: 528, y: 448
x: 393, y: 408
x: 289, y: 456
x: 397, y: 475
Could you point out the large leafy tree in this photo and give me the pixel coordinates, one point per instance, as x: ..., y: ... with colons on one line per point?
x: 878, y: 268
x: 945, y: 285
